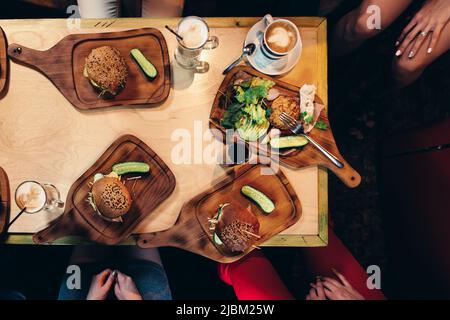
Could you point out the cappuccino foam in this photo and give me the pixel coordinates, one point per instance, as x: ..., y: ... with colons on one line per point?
x: 281, y: 37
x: 31, y: 196
x: 194, y: 32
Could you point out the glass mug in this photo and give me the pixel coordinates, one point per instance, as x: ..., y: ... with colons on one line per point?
x: 35, y: 196
x: 195, y: 33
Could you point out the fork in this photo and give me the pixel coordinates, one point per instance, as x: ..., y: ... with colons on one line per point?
x: 296, y: 127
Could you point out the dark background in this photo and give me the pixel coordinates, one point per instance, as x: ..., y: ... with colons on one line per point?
x: 364, y: 111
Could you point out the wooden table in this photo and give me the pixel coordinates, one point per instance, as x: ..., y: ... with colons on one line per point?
x: 43, y: 137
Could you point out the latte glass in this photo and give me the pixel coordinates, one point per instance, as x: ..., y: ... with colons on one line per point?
x: 188, y: 56
x: 35, y: 197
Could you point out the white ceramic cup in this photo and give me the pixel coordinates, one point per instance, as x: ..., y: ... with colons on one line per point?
x: 265, y: 48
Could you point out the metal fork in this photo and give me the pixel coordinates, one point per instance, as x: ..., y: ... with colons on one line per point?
x: 297, y: 128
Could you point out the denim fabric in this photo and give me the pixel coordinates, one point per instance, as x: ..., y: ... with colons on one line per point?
x: 149, y: 277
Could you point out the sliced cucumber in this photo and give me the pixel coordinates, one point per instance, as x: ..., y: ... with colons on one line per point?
x: 260, y: 198
x: 130, y: 167
x: 217, y: 240
x: 252, y: 132
x: 288, y: 142
x: 146, y: 66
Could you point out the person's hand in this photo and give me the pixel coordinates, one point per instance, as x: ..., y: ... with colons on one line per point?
x: 332, y: 289
x: 125, y: 288
x: 317, y: 291
x: 339, y: 289
x: 427, y: 23
x: 100, y: 285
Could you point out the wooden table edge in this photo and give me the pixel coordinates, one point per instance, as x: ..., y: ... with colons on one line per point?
x: 280, y: 240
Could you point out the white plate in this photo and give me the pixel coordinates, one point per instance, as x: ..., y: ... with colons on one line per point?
x: 263, y: 64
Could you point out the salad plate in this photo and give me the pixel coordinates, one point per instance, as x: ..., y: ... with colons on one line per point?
x: 243, y: 104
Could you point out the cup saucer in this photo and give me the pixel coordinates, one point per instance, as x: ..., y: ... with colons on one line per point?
x: 263, y: 64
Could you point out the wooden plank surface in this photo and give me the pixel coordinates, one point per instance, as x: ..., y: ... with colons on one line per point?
x: 45, y: 138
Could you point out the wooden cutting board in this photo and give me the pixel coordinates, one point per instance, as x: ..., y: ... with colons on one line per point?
x: 147, y: 193
x: 3, y: 63
x: 5, y: 198
x: 296, y: 158
x: 63, y: 64
x: 191, y: 230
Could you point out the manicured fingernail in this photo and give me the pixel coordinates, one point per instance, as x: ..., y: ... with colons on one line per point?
x: 430, y: 50
x: 411, y: 54
x: 398, y: 53
x: 397, y: 43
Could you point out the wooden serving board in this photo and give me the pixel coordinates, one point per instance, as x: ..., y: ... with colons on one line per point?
x: 147, y: 193
x: 296, y: 158
x: 3, y: 62
x: 63, y: 64
x: 5, y: 198
x: 191, y: 230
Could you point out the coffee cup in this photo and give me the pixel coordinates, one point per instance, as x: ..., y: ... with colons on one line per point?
x: 280, y: 38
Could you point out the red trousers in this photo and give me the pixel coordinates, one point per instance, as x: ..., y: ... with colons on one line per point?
x: 254, y: 278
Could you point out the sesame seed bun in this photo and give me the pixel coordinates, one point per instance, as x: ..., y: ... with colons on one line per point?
x: 111, y: 197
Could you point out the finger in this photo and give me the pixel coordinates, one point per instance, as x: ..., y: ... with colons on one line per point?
x: 419, y: 41
x: 103, y: 276
x: 434, y: 38
x: 405, y: 31
x: 313, y: 294
x: 320, y: 290
x: 330, y: 294
x: 331, y: 280
x: 308, y: 297
x: 120, y: 278
x: 341, y: 277
x: 109, y: 281
x: 330, y: 286
x: 408, y: 40
x: 117, y: 290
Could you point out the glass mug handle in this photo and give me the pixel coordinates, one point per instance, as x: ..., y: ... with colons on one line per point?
x: 58, y: 203
x: 211, y: 43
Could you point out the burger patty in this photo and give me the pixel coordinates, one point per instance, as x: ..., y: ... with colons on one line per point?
x: 282, y: 104
x: 106, y: 67
x: 235, y: 236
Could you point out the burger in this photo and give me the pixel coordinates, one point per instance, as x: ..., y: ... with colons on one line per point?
x: 109, y: 197
x: 235, y: 227
x: 106, y: 70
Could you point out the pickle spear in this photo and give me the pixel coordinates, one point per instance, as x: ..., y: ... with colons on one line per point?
x: 147, y: 67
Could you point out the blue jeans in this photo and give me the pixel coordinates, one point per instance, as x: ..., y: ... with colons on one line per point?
x: 149, y: 277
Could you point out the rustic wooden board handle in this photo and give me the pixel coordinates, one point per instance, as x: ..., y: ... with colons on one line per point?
x: 349, y: 176
x: 34, y: 58
x: 62, y: 226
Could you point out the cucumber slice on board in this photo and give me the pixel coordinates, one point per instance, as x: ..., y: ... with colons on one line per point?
x: 260, y: 198
x: 130, y: 167
x: 288, y: 142
x: 146, y: 66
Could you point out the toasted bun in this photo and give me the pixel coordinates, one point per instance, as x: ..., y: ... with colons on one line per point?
x: 234, y: 223
x: 111, y: 197
x: 107, y: 70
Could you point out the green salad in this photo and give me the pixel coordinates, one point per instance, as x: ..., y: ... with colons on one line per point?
x: 247, y: 109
